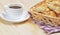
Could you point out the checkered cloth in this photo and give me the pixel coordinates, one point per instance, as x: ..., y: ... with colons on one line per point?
x: 47, y: 28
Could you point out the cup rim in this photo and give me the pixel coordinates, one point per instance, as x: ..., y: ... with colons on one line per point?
x: 7, y: 5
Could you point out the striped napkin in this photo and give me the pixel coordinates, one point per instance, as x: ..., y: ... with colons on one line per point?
x: 47, y: 28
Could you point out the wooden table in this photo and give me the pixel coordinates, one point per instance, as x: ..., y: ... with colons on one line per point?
x: 24, y: 28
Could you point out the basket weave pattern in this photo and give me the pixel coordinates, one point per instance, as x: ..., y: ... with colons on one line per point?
x: 54, y: 21
x: 47, y: 19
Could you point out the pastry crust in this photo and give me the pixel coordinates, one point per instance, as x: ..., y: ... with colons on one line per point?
x: 55, y: 6
x: 43, y: 8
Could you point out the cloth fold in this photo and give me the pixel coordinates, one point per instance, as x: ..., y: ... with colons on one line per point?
x: 47, y: 28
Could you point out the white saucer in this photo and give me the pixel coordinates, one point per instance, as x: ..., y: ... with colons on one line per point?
x: 24, y: 17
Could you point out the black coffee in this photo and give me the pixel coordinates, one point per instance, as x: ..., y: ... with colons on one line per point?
x: 15, y: 7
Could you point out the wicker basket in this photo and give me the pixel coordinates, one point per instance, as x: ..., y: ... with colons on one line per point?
x: 54, y: 21
x: 50, y: 20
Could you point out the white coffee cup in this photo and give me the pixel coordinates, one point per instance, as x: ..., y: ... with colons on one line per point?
x: 14, y: 10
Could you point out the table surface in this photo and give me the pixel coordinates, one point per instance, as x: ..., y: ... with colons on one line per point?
x: 24, y: 28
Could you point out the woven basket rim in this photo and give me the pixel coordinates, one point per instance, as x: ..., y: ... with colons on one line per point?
x: 31, y: 11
